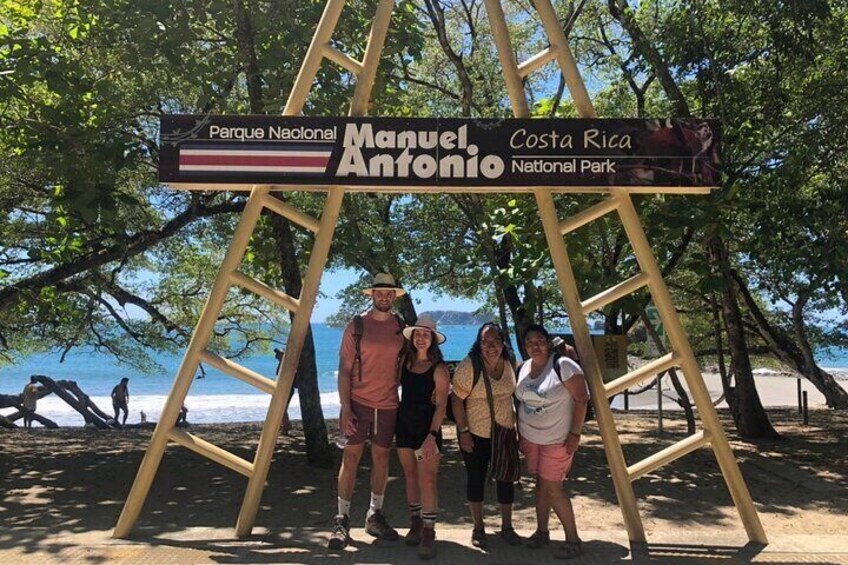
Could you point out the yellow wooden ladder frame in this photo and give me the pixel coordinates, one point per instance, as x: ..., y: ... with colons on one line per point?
x: 619, y: 200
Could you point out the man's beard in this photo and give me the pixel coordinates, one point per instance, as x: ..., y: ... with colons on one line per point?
x: 382, y: 307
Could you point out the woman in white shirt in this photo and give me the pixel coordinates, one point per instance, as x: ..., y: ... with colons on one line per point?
x: 552, y: 398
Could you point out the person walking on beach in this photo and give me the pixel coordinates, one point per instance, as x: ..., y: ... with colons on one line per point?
x: 29, y: 400
x: 425, y: 382
x: 368, y: 393
x: 552, y: 400
x: 121, y: 400
x: 488, y: 359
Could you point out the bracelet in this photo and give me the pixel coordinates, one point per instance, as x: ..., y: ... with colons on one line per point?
x: 574, y: 434
x: 434, y: 433
x: 460, y: 431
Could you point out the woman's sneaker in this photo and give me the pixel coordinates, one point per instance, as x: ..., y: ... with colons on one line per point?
x: 413, y: 537
x: 427, y: 549
x: 377, y: 526
x: 340, y: 536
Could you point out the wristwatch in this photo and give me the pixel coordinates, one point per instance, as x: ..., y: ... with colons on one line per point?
x: 460, y: 431
x: 434, y: 433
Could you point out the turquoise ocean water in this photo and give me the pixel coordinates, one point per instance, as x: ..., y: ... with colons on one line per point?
x: 217, y: 397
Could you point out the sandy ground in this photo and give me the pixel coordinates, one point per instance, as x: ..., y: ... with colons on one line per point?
x: 75, y: 480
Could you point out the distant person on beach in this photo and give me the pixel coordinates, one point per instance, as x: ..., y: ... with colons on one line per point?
x: 489, y: 360
x: 368, y: 393
x: 280, y: 355
x: 425, y: 382
x: 29, y: 400
x: 182, y: 418
x: 552, y: 402
x: 121, y: 400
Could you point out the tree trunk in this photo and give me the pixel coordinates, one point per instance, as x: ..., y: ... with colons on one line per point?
x: 788, y: 351
x: 318, y: 450
x: 745, y: 405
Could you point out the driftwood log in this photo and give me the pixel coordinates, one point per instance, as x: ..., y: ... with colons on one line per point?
x: 14, y: 401
x: 81, y: 406
x: 68, y: 391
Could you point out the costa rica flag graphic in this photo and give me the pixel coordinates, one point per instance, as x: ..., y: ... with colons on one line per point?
x: 240, y: 158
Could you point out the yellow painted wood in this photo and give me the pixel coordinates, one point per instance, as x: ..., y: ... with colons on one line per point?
x: 297, y: 336
x: 680, y: 345
x: 238, y: 371
x: 290, y: 213
x: 371, y: 60
x: 314, y: 56
x: 567, y: 64
x: 342, y: 59
x: 669, y: 454
x: 188, y: 367
x: 276, y: 296
x: 211, y: 451
x: 655, y: 367
x: 588, y: 215
x: 565, y: 276
x: 317, y: 260
x: 536, y: 62
x: 612, y: 294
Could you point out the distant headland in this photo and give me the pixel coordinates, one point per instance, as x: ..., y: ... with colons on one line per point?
x: 452, y: 318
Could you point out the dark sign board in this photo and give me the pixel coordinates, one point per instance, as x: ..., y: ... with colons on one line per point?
x: 438, y: 152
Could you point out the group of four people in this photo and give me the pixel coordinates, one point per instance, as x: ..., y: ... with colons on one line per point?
x: 547, y: 393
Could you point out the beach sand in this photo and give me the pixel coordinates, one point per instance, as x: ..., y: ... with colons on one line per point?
x: 58, y: 484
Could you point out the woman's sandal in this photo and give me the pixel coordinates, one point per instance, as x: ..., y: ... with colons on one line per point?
x: 569, y: 550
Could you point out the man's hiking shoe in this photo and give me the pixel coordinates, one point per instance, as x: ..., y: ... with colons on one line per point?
x: 538, y: 539
x: 340, y: 536
x: 376, y: 525
x: 427, y: 549
x: 413, y: 537
x: 510, y: 536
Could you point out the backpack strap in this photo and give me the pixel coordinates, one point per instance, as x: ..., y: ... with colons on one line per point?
x: 358, y: 328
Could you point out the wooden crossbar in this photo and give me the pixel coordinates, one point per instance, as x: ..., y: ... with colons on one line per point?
x: 277, y: 296
x: 211, y: 451
x: 290, y: 213
x: 342, y: 59
x: 537, y: 61
x: 614, y: 293
x: 235, y: 370
x: 669, y: 454
x: 655, y: 367
x: 589, y: 214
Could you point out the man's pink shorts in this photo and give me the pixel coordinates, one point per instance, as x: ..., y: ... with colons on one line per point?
x: 550, y: 462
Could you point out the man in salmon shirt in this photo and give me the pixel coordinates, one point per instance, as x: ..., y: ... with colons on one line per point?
x: 368, y: 392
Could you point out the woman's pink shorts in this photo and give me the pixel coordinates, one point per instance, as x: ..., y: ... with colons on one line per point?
x: 550, y: 462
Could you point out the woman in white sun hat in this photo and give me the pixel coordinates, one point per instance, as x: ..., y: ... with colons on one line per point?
x: 425, y: 383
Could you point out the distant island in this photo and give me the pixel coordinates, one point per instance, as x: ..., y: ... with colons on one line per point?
x: 451, y: 318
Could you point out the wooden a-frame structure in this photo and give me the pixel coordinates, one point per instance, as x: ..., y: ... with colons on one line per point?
x: 618, y: 200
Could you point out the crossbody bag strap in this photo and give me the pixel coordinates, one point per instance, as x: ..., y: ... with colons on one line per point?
x: 490, y: 397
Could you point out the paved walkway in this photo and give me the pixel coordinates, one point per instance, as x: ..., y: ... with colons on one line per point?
x: 307, y: 545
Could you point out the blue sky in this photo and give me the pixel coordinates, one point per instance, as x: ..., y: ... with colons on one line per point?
x: 334, y: 281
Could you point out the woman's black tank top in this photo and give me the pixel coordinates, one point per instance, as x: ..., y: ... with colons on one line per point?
x: 417, y: 391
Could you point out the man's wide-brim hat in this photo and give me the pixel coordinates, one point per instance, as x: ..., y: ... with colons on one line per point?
x: 384, y: 281
x: 425, y: 323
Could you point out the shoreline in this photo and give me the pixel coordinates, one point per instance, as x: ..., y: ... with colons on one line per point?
x: 777, y: 390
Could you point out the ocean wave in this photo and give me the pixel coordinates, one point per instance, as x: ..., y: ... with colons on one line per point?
x: 202, y: 409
